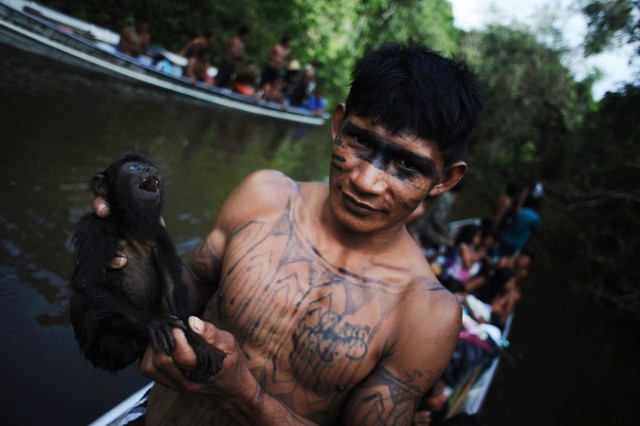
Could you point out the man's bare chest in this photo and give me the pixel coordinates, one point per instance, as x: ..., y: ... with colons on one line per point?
x: 303, y: 320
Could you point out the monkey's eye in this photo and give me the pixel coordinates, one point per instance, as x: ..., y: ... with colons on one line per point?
x: 134, y: 167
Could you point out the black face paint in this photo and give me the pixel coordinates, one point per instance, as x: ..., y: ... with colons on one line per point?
x: 385, y: 155
x: 339, y: 158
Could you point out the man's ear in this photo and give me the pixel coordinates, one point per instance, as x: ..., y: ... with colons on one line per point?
x: 336, y: 119
x: 449, y: 179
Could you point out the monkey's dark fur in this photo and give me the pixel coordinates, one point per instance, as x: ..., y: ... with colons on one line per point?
x: 115, y: 313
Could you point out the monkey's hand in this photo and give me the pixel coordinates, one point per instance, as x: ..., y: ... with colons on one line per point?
x: 208, y: 358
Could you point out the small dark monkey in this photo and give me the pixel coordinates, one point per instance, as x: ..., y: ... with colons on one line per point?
x: 115, y: 313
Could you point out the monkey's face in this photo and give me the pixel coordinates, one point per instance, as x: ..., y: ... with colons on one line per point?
x: 143, y: 180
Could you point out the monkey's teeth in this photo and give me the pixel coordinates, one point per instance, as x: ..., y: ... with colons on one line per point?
x: 151, y: 184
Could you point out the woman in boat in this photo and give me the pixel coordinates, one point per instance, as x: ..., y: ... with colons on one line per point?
x: 468, y: 254
x: 198, y: 65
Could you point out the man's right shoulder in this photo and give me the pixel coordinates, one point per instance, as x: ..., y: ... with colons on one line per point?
x: 259, y: 195
x: 273, y: 181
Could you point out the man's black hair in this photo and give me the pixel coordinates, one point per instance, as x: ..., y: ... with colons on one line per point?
x: 416, y: 90
x: 243, y: 30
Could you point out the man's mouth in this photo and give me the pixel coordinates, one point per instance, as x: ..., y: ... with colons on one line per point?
x: 357, y: 207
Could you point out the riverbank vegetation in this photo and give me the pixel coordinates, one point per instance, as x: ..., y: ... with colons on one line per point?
x: 540, y: 119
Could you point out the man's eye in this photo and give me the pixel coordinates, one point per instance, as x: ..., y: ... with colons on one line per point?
x: 359, y: 142
x: 407, y: 166
x: 134, y: 167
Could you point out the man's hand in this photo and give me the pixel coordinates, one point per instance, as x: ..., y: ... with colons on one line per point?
x: 234, y: 380
x: 422, y: 418
x: 101, y: 208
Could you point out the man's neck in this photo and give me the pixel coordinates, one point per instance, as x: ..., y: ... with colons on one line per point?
x: 370, y: 243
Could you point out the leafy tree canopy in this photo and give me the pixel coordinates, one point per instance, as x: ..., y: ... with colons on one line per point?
x: 610, y: 20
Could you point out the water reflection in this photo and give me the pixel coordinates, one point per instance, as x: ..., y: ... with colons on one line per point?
x: 59, y: 128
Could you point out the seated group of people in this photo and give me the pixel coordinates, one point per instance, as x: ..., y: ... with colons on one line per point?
x: 487, y: 284
x: 280, y: 80
x: 484, y: 266
x: 292, y: 86
x: 277, y: 82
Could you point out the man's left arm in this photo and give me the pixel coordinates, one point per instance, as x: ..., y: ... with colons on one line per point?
x: 426, y: 340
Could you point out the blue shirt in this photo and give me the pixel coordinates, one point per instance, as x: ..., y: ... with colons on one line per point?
x: 526, y: 221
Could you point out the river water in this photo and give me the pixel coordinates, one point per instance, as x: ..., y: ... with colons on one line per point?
x: 568, y: 363
x: 59, y: 128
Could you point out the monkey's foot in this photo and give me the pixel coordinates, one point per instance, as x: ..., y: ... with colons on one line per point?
x: 160, y: 333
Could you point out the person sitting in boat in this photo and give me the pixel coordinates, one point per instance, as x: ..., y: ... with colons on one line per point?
x: 526, y: 222
x: 480, y: 339
x: 504, y: 303
x: 326, y: 308
x: 193, y: 46
x: 245, y: 81
x: 506, y: 206
x: 491, y: 259
x: 306, y: 85
x: 317, y: 102
x: 277, y: 58
x: 464, y: 260
x: 432, y: 229
x: 235, y: 54
x: 273, y: 91
x: 198, y: 66
x: 135, y: 38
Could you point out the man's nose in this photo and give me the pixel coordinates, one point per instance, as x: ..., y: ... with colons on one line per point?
x: 370, y: 177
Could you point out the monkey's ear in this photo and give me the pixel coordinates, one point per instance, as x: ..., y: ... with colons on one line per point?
x: 98, y: 185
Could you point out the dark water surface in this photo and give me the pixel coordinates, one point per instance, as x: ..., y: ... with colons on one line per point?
x: 58, y: 129
x: 569, y: 363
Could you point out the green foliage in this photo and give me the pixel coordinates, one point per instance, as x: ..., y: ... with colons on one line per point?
x: 609, y: 20
x: 409, y: 21
x: 532, y: 106
x: 599, y: 203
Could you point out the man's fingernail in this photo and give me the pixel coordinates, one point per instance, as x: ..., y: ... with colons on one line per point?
x: 103, y: 208
x: 196, y: 324
x: 119, y: 261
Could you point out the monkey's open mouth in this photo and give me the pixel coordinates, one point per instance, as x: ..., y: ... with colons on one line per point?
x: 150, y: 184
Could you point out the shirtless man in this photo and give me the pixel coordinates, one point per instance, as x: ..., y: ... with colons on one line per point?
x: 326, y: 308
x: 235, y: 53
x: 135, y: 39
x: 195, y: 45
x: 276, y: 60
